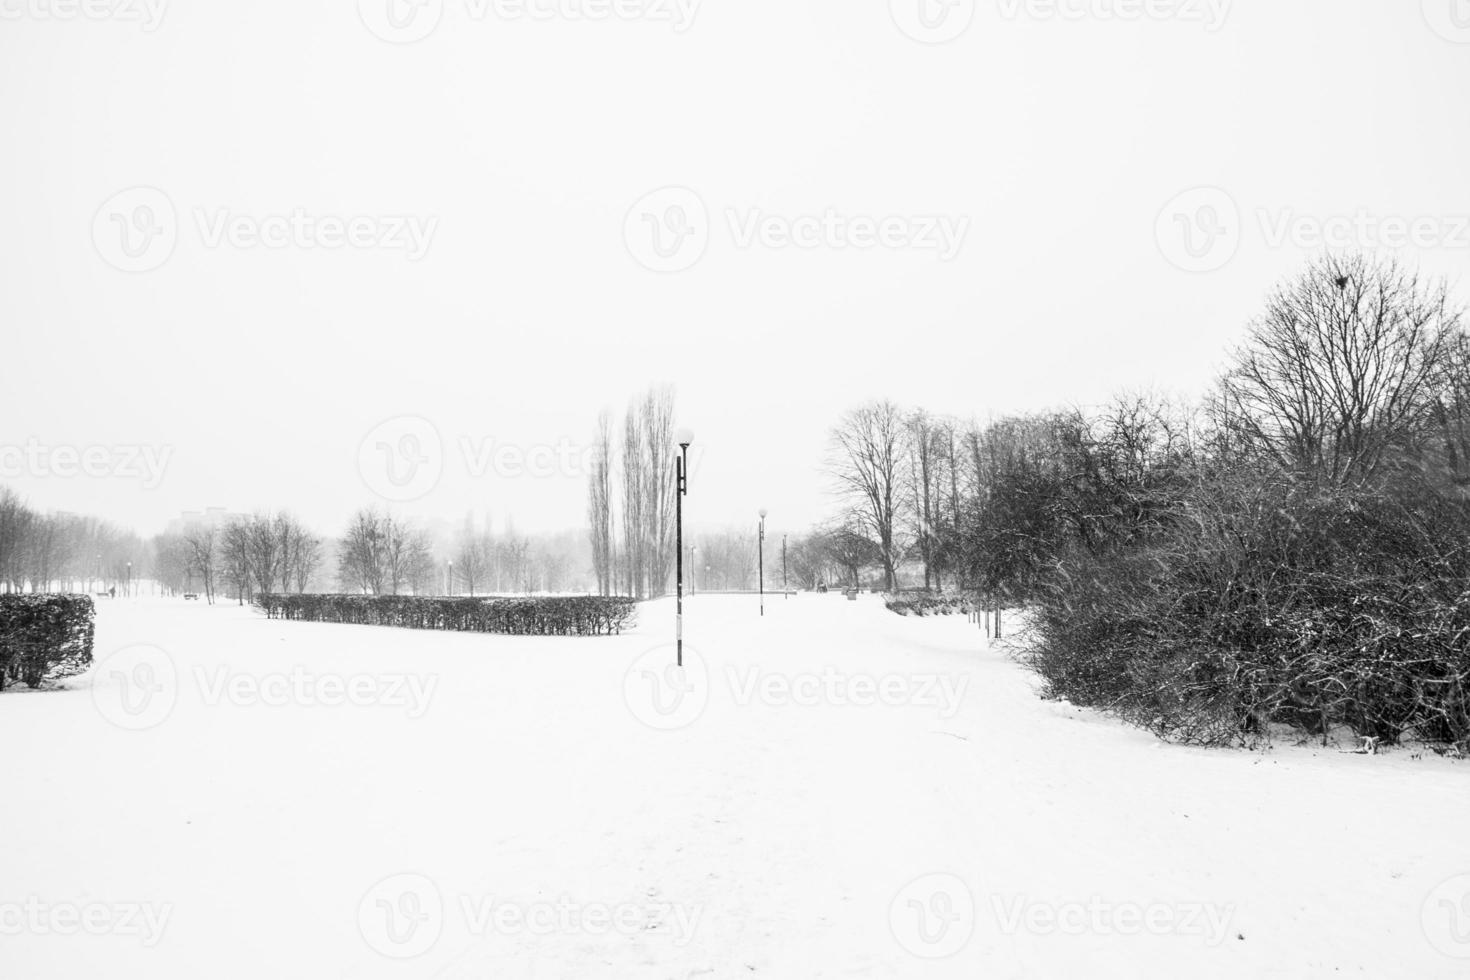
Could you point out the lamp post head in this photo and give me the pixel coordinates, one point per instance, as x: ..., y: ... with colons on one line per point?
x: 763, y: 513
x: 684, y: 438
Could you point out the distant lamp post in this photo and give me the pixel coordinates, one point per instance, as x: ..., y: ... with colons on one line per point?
x: 785, y: 593
x: 693, y: 551
x: 449, y: 580
x: 128, y: 588
x: 681, y: 471
x: 761, y: 566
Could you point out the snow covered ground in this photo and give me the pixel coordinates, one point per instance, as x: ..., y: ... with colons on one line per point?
x: 834, y: 791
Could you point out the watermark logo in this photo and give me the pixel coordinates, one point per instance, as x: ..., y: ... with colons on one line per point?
x: 401, y: 21
x: 1199, y: 230
x: 136, y: 688
x: 932, y: 21
x: 300, y: 229
x: 146, y: 464
x: 409, y: 21
x: 148, y: 14
x: 402, y: 459
x: 933, y: 917
x: 410, y: 693
x: 145, y: 921
x: 1362, y: 230
x: 664, y: 695
x: 1445, y: 917
x: 668, y: 229
x: 1450, y: 19
x: 1212, y: 14
x: 136, y: 230
x: 564, y: 458
x: 944, y: 235
x: 1097, y: 917
x: 833, y: 687
x: 1202, y: 230
x: 486, y: 915
x: 402, y: 916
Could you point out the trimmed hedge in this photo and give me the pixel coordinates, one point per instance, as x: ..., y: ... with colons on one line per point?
x: 43, y: 635
x: 929, y: 604
x: 551, y: 616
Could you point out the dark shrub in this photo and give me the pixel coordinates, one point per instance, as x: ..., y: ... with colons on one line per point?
x: 1273, y: 604
x: 552, y: 616
x: 43, y: 635
x: 928, y: 603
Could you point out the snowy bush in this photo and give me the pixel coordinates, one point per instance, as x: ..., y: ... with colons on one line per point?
x: 1274, y: 604
x: 540, y: 616
x: 44, y: 634
x: 928, y: 603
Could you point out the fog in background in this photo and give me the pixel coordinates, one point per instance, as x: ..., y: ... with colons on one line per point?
x: 514, y: 275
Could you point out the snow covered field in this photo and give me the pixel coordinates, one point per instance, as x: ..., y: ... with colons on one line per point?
x: 839, y: 793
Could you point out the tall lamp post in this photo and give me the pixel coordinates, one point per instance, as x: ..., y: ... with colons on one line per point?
x: 761, y: 551
x: 681, y: 472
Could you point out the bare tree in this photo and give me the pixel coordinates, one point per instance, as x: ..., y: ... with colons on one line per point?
x: 16, y: 522
x: 635, y: 513
x: 235, y: 557
x: 360, y: 555
x: 866, y: 463
x: 1339, y: 372
x: 599, y: 506
x: 202, y: 546
x: 470, y: 562
x: 657, y: 417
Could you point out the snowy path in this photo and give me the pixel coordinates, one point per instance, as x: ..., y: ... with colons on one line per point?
x: 513, y: 815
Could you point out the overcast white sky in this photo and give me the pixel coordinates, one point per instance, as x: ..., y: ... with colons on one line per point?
x: 1058, y: 140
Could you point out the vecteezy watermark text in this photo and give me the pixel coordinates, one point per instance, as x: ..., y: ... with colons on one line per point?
x: 1202, y: 230
x: 148, y: 14
x: 1098, y: 917
x: 410, y: 21
x: 138, y: 229
x: 145, y: 921
x: 412, y: 693
x: 669, y: 230
x: 143, y: 463
x: 1212, y: 14
x: 403, y: 916
x: 838, y: 689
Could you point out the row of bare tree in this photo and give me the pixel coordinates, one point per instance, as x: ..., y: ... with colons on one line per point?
x: 261, y: 553
x: 485, y: 563
x: 69, y: 552
x: 1358, y: 370
x: 631, y: 490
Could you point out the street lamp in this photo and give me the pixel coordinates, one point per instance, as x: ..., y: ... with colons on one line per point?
x: 129, y: 590
x: 761, y: 550
x: 693, y: 550
x: 681, y: 472
x: 449, y: 581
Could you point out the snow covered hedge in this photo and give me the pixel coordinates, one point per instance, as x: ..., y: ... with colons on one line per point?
x: 928, y: 604
x: 548, y: 616
x: 1313, y: 608
x: 44, y: 634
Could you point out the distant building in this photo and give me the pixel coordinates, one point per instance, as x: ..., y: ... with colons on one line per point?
x: 215, y: 517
